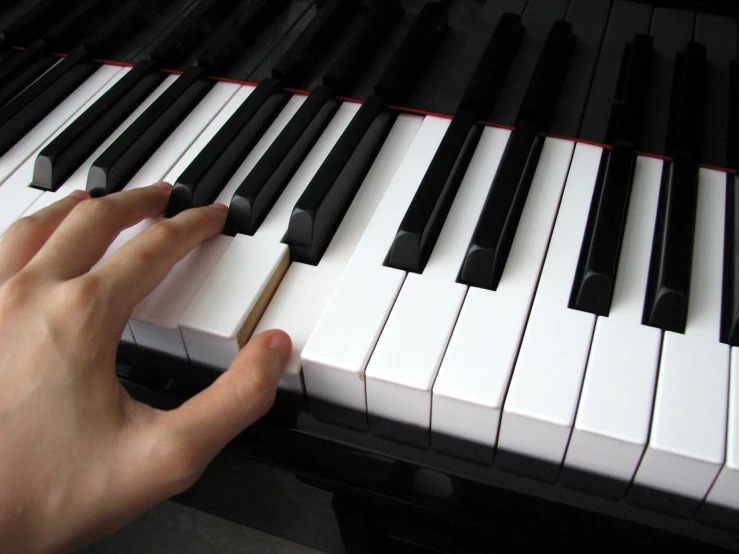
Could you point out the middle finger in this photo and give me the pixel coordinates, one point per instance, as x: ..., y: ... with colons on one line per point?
x: 85, y: 235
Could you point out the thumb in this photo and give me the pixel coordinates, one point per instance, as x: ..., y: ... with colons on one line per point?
x: 198, y: 429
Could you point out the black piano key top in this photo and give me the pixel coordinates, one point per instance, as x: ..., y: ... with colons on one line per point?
x: 262, y: 186
x: 22, y: 69
x: 34, y: 22
x: 627, y: 111
x: 318, y: 36
x: 494, y: 65
x: 352, y: 61
x: 27, y: 109
x: 211, y: 169
x: 122, y: 159
x: 491, y: 241
x: 192, y: 31
x: 597, y: 266
x: 730, y: 295
x: 687, y: 105
x: 548, y: 77
x: 64, y: 155
x: 416, y: 51
x: 422, y: 223
x: 237, y: 33
x: 322, y: 206
x: 668, y: 284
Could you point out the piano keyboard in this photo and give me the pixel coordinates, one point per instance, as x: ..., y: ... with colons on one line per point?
x: 539, y: 275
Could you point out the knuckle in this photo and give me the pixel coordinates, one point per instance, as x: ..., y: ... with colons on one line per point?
x: 164, y: 233
x: 95, y: 208
x: 24, y: 226
x: 15, y: 292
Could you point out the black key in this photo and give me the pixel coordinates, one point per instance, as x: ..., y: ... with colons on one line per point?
x: 627, y: 19
x: 122, y: 159
x: 22, y: 69
x: 687, y: 105
x: 22, y: 113
x: 491, y: 242
x: 490, y: 73
x: 422, y: 223
x: 352, y: 61
x: 538, y: 18
x: 668, y: 285
x: 209, y: 172
x: 65, y: 34
x: 63, y: 155
x: 589, y: 19
x: 719, y: 35
x: 192, y: 31
x: 260, y: 189
x: 238, y: 33
x: 313, y: 42
x: 730, y: 297
x: 732, y: 154
x: 627, y: 112
x: 31, y: 25
x: 546, y: 82
x: 598, y: 264
x: 671, y: 31
x: 414, y: 55
x: 322, y: 206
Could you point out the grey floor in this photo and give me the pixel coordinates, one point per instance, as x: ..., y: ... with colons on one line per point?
x: 276, y: 513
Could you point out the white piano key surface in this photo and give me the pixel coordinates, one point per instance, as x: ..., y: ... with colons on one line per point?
x: 473, y: 378
x: 214, y: 326
x: 725, y: 490
x: 338, y: 350
x: 542, y: 398
x: 402, y: 369
x: 305, y: 289
x: 687, y: 442
x: 615, y: 410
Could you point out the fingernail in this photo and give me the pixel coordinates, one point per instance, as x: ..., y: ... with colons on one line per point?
x: 221, y: 207
x: 79, y: 195
x: 281, y: 343
x: 162, y: 185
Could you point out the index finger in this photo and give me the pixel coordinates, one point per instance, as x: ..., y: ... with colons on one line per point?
x: 141, y: 264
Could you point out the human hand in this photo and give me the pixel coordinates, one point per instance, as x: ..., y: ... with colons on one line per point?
x: 80, y: 458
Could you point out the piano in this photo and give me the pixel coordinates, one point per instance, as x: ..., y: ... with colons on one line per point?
x: 502, y: 234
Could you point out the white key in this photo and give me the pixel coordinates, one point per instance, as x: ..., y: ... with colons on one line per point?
x: 78, y: 179
x: 93, y: 87
x: 473, y: 378
x: 544, y: 390
x: 338, y: 350
x: 15, y: 194
x: 615, y: 411
x: 687, y: 443
x: 155, y: 319
x: 405, y: 361
x: 128, y: 335
x: 305, y: 289
x: 225, y: 312
x: 725, y: 490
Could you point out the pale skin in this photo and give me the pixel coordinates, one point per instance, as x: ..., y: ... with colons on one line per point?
x: 79, y: 458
